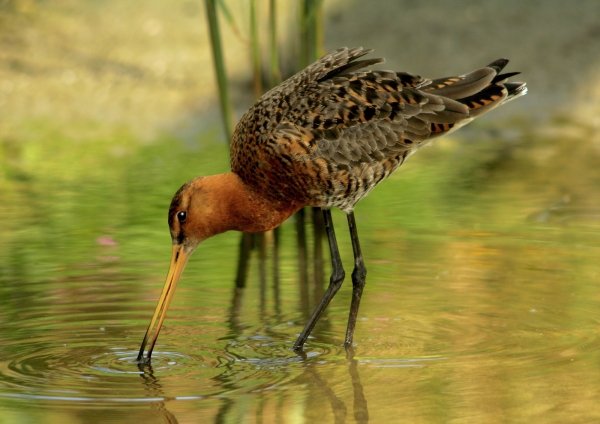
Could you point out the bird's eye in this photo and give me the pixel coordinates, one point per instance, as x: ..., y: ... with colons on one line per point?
x: 181, y: 216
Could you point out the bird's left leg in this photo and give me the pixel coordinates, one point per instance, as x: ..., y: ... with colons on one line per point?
x: 335, y: 281
x: 359, y: 276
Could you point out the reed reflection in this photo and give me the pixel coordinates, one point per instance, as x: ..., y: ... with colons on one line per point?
x: 250, y: 243
x: 266, y: 246
x: 318, y: 272
x: 302, y: 265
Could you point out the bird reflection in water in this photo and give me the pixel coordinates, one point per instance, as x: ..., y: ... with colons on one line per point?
x: 318, y: 385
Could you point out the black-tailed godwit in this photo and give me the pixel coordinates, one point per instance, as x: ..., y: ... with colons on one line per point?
x: 325, y: 137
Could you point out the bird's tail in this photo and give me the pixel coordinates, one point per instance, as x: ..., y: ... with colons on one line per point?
x: 480, y: 91
x: 496, y: 93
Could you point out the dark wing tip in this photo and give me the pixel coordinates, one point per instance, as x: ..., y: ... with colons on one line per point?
x: 498, y: 65
x: 351, y: 64
x: 504, y: 77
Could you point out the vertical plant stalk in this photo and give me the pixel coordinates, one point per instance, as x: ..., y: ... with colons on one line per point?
x: 319, y: 33
x: 274, y: 80
x: 258, y: 240
x: 303, y: 33
x: 274, y: 71
x: 311, y: 41
x: 258, y: 90
x: 227, y: 114
x: 311, y: 33
x: 219, y: 63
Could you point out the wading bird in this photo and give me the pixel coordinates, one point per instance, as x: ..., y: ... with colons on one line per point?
x: 325, y: 137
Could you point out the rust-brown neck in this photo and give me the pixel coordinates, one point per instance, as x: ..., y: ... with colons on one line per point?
x: 223, y: 202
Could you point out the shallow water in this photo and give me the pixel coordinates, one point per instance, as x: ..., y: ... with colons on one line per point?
x: 481, y: 302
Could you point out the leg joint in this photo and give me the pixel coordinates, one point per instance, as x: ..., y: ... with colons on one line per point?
x: 337, y: 277
x: 359, y: 275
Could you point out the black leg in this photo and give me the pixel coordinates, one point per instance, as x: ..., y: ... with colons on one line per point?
x: 359, y: 276
x: 335, y: 282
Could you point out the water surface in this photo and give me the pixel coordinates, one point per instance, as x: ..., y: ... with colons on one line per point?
x: 481, y: 302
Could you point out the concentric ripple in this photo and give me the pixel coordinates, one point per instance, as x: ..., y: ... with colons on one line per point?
x: 83, y: 346
x: 79, y: 351
x: 80, y: 372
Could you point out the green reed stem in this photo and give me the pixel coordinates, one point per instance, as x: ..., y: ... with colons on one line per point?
x: 258, y: 91
x: 311, y: 33
x: 219, y: 63
x: 274, y: 71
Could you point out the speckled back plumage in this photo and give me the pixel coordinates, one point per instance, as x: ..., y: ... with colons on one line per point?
x: 329, y: 134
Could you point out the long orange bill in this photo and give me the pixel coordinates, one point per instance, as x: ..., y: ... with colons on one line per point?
x: 178, y: 261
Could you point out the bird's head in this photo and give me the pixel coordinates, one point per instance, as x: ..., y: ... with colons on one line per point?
x: 202, y: 208
x: 195, y: 214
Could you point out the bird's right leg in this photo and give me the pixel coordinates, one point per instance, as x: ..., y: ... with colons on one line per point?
x: 335, y: 282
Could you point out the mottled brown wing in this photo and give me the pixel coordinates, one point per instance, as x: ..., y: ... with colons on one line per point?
x: 371, y: 116
x: 357, y: 118
x: 329, y: 134
x: 345, y: 132
x: 375, y: 115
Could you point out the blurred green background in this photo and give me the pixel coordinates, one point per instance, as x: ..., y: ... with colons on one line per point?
x: 121, y: 94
